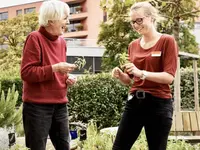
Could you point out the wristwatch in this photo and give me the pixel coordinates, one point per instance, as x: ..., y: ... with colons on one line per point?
x: 144, y: 75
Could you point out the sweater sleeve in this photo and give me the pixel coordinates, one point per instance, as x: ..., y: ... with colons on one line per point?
x: 31, y: 66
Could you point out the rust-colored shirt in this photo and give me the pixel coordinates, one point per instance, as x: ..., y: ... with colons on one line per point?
x: 162, y: 57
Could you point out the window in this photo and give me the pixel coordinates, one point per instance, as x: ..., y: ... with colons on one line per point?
x: 19, y: 12
x: 74, y: 7
x: 29, y: 10
x: 4, y: 16
x: 97, y: 61
x: 93, y: 64
x: 72, y: 26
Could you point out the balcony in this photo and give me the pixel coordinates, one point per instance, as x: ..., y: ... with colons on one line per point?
x: 74, y: 1
x: 75, y: 34
x: 78, y: 16
x: 71, y: 42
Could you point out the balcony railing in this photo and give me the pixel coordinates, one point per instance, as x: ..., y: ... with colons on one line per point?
x: 71, y: 42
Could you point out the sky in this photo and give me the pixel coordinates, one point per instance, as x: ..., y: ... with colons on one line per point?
x: 7, y: 3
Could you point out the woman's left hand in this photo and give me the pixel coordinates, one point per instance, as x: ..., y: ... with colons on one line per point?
x: 130, y: 68
x: 71, y: 80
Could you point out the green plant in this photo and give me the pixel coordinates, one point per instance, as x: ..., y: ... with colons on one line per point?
x: 78, y: 9
x: 19, y: 147
x: 80, y: 62
x: 79, y: 27
x: 98, y: 97
x: 122, y: 58
x: 104, y: 141
x: 96, y: 140
x: 7, y: 81
x: 10, y: 115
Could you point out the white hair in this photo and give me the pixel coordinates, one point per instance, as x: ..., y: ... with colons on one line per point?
x: 52, y: 10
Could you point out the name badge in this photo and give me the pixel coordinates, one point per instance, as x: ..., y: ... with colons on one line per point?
x: 156, y: 53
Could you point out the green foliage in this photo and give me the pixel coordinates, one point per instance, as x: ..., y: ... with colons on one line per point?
x: 98, y: 97
x: 187, y: 88
x: 122, y: 59
x: 97, y: 141
x: 116, y: 33
x: 80, y: 62
x: 19, y: 147
x: 104, y: 141
x: 8, y: 81
x: 13, y: 33
x: 101, y: 98
x: 9, y: 114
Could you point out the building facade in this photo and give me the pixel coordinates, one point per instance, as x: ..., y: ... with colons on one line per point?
x: 81, y: 34
x: 85, y: 16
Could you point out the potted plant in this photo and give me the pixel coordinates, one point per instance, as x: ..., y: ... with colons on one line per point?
x: 79, y: 27
x: 78, y: 9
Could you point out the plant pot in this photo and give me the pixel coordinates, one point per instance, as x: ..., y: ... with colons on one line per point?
x: 12, y: 139
x: 79, y: 27
x: 83, y: 135
x: 73, y: 134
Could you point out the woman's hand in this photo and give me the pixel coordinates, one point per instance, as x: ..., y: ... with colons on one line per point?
x: 116, y: 72
x: 71, y: 80
x: 130, y: 68
x: 63, y: 67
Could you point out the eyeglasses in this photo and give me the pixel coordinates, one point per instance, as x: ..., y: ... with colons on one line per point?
x: 139, y: 21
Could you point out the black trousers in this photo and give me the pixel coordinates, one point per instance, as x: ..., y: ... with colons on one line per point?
x: 152, y: 113
x: 41, y: 120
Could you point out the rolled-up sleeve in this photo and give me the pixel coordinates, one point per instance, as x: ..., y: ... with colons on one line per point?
x: 170, y: 56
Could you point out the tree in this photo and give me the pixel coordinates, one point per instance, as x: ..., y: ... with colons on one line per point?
x: 180, y: 18
x: 13, y: 33
x: 116, y: 33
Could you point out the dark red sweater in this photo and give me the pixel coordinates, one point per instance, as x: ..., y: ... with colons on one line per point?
x: 40, y: 84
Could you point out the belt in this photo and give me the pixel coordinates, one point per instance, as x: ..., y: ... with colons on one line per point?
x: 140, y: 94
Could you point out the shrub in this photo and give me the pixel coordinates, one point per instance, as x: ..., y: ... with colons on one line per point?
x: 8, y: 81
x: 103, y: 141
x: 187, y: 88
x: 9, y: 115
x: 98, y: 97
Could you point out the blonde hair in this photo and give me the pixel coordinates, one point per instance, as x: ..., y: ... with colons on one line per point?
x: 149, y: 10
x: 52, y: 10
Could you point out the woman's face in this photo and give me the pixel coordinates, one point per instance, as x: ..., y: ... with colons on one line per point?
x: 58, y: 27
x: 141, y: 23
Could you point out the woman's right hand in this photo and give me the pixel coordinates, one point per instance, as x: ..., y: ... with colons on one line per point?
x: 63, y: 67
x: 116, y: 72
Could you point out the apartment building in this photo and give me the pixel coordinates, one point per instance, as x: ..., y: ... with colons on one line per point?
x: 81, y: 35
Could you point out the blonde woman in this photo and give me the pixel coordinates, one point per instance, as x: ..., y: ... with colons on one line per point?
x: 44, y: 72
x: 153, y: 61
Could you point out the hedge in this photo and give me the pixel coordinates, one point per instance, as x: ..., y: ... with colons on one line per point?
x: 101, y: 97
x: 98, y: 97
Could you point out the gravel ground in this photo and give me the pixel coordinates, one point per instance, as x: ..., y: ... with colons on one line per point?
x: 21, y: 141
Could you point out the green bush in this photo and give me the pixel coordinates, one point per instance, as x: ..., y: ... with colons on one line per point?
x: 104, y: 141
x: 10, y: 116
x: 98, y: 97
x: 101, y: 98
x: 8, y: 81
x: 187, y: 88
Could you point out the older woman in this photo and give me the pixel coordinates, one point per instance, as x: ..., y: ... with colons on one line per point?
x: 44, y: 72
